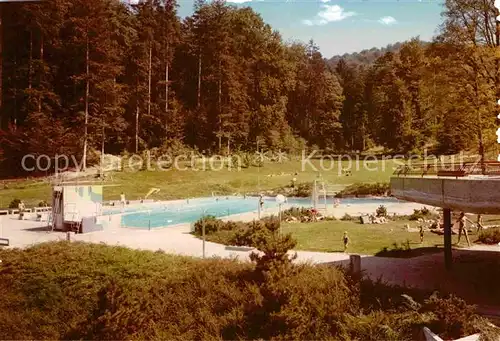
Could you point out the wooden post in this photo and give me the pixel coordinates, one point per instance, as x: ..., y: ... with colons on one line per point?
x: 279, y: 217
x: 203, y: 233
x: 355, y: 266
x: 68, y: 236
x: 447, y: 238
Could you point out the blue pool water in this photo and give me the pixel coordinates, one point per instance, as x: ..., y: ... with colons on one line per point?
x: 162, y: 214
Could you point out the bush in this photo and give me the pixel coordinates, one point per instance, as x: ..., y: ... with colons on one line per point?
x: 347, y: 217
x: 423, y: 213
x: 43, y: 203
x: 381, y: 211
x: 14, y: 203
x: 245, y: 160
x: 453, y: 318
x: 378, y: 325
x: 297, y: 212
x: 378, y: 189
x: 212, y: 224
x: 489, y: 236
x: 173, y: 148
x: 303, y: 190
x: 70, y: 291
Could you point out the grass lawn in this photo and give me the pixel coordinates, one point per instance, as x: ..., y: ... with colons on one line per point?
x: 175, y: 184
x: 327, y: 236
x: 364, y: 239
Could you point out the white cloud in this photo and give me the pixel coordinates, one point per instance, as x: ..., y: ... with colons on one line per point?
x: 330, y: 0
x: 239, y: 1
x: 387, y: 21
x: 329, y: 13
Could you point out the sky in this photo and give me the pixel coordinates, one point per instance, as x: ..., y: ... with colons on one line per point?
x: 339, y: 27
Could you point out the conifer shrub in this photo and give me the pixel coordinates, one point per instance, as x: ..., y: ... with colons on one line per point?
x: 347, y: 217
x: 381, y: 211
x: 365, y: 189
x: 14, y: 203
x: 423, y: 213
x: 489, y: 236
x: 89, y: 291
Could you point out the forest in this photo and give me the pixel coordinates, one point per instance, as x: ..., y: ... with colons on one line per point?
x: 85, y: 76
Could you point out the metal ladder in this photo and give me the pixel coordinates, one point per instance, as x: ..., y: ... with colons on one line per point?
x: 56, y: 209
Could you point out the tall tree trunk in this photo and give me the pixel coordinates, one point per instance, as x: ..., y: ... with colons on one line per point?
x: 198, y: 102
x: 166, y: 89
x: 149, y: 79
x: 30, y: 62
x: 136, y: 115
x: 219, y: 105
x: 14, y: 82
x: 102, y: 149
x: 363, y: 136
x: 1, y: 65
x: 497, y: 56
x: 42, y: 73
x: 87, y: 94
x: 479, y: 121
x: 137, y: 128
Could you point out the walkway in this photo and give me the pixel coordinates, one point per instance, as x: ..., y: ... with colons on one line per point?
x: 425, y: 272
x: 176, y: 240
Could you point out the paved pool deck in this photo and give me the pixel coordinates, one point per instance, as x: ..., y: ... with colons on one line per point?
x: 425, y: 272
x: 175, y: 240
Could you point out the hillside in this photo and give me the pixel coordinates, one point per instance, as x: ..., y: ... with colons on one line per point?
x: 366, y: 56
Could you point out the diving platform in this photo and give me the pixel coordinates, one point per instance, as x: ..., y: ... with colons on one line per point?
x: 466, y: 187
x: 458, y: 187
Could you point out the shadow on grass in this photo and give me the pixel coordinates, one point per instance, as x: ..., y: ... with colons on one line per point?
x: 405, y: 252
x: 336, y: 251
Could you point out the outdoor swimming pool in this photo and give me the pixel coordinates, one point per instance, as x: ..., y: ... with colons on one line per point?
x: 161, y: 214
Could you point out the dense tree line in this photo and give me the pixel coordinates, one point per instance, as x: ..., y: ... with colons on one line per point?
x: 368, y: 56
x: 441, y: 94
x: 86, y: 75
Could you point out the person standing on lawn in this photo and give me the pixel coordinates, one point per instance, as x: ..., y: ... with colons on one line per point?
x: 345, y: 239
x: 21, y: 207
x: 462, y: 227
x: 479, y: 223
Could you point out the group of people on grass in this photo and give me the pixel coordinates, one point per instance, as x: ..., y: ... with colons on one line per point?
x: 462, y: 227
